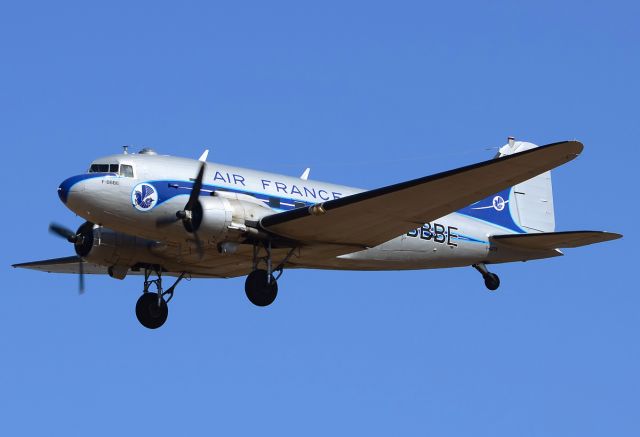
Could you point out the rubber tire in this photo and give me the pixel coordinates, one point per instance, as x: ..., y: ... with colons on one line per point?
x: 258, y: 291
x: 148, y: 313
x: 492, y: 281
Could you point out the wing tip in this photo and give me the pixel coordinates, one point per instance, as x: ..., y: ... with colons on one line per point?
x: 612, y: 235
x: 574, y: 147
x: 578, y: 145
x: 20, y: 265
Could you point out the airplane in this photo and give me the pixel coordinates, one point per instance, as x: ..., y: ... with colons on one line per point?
x: 155, y: 216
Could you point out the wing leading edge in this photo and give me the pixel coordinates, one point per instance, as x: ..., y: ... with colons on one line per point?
x: 370, y: 218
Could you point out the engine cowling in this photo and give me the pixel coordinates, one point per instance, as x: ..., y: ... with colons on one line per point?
x: 216, y: 217
x: 106, y: 247
x: 230, y: 217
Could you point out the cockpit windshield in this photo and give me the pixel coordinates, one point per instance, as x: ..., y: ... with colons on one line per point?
x: 122, y: 170
x: 99, y: 168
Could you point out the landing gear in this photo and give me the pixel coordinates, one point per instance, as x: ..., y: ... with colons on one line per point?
x: 261, y: 286
x: 491, y: 280
x: 151, y: 309
x: 149, y: 313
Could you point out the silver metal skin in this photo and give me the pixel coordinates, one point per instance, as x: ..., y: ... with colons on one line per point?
x: 234, y: 201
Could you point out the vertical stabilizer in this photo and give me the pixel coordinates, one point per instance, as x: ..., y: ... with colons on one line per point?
x: 532, y: 200
x: 523, y: 208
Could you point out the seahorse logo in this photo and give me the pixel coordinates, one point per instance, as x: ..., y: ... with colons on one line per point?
x: 144, y: 197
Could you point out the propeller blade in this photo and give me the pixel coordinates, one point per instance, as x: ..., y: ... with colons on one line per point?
x: 71, y: 237
x: 81, y: 277
x: 195, y: 192
x: 63, y: 232
x: 199, y: 246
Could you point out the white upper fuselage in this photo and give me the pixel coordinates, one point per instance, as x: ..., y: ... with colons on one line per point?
x: 109, y: 199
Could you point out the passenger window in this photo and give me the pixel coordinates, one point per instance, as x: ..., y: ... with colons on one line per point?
x: 126, y: 171
x: 113, y: 168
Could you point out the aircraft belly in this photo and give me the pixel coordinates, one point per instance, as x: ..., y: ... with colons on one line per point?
x: 448, y: 242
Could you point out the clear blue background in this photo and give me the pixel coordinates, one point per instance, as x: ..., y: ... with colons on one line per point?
x: 367, y: 94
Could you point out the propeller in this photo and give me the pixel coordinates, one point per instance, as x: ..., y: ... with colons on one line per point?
x: 63, y: 232
x: 82, y: 241
x: 191, y: 214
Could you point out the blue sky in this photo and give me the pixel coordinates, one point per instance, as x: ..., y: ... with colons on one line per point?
x: 367, y: 94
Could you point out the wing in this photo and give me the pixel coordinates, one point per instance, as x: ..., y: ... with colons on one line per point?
x: 373, y: 217
x: 227, y: 268
x: 69, y: 264
x: 554, y: 240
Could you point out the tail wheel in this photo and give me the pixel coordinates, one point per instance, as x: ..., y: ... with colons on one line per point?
x: 492, y: 281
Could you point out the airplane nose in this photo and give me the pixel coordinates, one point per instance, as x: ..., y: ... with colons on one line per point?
x: 63, y: 191
x: 68, y: 186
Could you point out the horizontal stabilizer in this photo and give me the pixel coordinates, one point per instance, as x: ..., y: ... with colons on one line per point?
x: 554, y: 240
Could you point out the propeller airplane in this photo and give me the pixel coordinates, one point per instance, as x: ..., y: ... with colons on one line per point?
x: 158, y: 216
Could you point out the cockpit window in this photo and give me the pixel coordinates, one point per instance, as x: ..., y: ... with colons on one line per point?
x: 99, y: 168
x: 126, y: 171
x: 123, y: 170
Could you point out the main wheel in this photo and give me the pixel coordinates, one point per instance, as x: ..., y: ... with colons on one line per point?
x: 149, y: 314
x: 258, y: 291
x: 492, y: 281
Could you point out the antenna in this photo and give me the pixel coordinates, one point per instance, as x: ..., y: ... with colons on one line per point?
x: 125, y: 149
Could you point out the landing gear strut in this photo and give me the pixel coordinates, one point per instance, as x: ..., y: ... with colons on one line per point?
x: 261, y: 286
x: 151, y: 308
x: 491, y: 280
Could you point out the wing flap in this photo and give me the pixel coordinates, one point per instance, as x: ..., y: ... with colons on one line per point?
x: 554, y: 240
x: 370, y: 218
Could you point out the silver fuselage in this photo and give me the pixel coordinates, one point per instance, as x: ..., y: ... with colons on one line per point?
x: 106, y: 199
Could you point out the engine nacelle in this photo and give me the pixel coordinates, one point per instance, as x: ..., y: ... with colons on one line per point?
x: 230, y: 217
x: 114, y: 249
x: 217, y: 216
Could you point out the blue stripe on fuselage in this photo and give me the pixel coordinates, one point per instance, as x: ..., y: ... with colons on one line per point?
x: 168, y: 189
x: 67, y: 184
